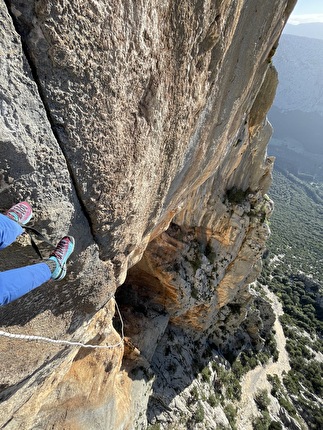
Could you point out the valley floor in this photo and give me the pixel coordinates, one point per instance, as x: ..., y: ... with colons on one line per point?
x: 256, y: 379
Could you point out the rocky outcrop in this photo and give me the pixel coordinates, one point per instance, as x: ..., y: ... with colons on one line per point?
x: 140, y: 129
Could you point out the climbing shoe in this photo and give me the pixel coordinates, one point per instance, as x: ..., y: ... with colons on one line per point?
x: 21, y: 213
x: 62, y: 274
x: 60, y: 255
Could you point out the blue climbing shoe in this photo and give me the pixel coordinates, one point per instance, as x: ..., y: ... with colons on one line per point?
x: 60, y: 255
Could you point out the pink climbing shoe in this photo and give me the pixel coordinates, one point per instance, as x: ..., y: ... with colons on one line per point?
x: 21, y: 213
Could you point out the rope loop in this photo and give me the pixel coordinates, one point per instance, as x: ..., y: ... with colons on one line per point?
x: 66, y: 342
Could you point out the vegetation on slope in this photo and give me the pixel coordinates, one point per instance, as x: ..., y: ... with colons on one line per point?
x: 293, y: 270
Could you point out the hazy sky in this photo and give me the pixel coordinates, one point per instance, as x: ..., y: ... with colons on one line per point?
x: 307, y: 11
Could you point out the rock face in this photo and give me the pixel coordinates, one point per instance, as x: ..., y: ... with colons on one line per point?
x: 140, y: 128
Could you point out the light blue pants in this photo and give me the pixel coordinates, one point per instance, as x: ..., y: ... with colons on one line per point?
x: 17, y: 282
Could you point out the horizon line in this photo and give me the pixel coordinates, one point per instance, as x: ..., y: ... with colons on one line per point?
x: 306, y: 18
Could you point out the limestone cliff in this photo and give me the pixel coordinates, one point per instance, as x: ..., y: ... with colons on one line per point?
x: 140, y: 128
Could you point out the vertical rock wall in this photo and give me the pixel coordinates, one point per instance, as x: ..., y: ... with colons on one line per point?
x: 117, y: 118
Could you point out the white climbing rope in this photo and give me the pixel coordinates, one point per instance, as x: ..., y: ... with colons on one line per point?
x: 66, y: 342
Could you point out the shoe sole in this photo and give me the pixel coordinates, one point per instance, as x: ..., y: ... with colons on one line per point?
x: 62, y: 273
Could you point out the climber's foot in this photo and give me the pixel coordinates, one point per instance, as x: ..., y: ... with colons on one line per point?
x: 62, y: 252
x: 21, y: 213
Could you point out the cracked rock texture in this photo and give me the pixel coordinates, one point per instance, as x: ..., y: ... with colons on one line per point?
x: 140, y: 128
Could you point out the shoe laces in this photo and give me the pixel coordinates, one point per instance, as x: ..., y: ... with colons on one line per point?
x: 60, y: 250
x: 19, y: 210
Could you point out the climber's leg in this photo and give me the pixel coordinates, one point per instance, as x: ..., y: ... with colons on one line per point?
x: 17, y: 282
x: 11, y: 223
x: 9, y: 231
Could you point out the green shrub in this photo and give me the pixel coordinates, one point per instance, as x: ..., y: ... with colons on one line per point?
x: 194, y: 393
x: 261, y: 423
x: 206, y: 374
x: 231, y: 414
x: 213, y: 400
x: 238, y: 369
x: 287, y: 405
x: 199, y: 414
x: 153, y: 427
x: 275, y: 425
x: 276, y: 385
x: 233, y: 387
x: 262, y: 400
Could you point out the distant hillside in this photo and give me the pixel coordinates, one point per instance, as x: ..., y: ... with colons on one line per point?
x: 297, y: 112
x: 297, y: 143
x: 313, y: 30
x: 296, y: 58
x: 293, y: 263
